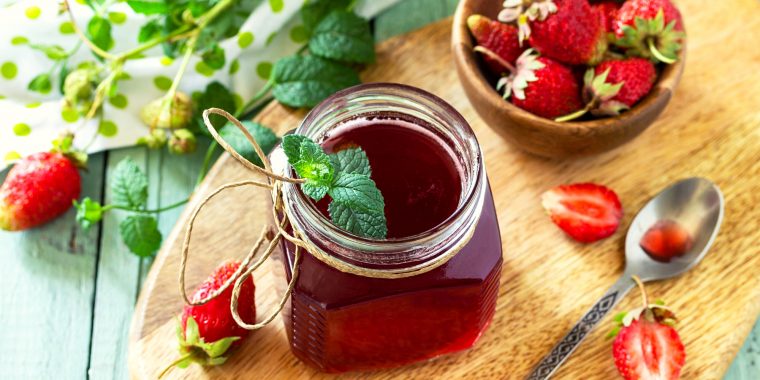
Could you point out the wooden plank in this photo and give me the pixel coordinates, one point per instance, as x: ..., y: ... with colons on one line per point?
x: 116, y: 284
x: 47, y: 289
x: 120, y: 273
x: 548, y: 280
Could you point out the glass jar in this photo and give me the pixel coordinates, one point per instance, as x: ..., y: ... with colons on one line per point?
x: 338, y: 321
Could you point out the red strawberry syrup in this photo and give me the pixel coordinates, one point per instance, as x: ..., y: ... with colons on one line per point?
x: 340, y: 322
x: 666, y: 240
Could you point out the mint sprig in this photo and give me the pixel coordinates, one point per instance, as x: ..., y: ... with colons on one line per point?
x: 356, y: 205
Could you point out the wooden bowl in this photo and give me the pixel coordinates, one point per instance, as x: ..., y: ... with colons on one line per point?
x: 538, y: 135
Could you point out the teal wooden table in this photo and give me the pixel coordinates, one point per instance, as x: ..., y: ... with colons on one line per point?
x: 66, y: 296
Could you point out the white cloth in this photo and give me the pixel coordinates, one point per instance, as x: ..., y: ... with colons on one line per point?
x: 29, y: 121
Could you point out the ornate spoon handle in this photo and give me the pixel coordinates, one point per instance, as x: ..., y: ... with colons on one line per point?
x: 550, y: 363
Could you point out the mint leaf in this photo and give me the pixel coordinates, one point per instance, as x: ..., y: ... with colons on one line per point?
x: 291, y: 144
x: 315, y: 11
x: 89, y: 212
x: 99, y: 32
x: 371, y: 224
x: 315, y: 190
x: 54, y: 52
x: 306, y: 81
x: 140, y: 234
x: 263, y: 136
x: 351, y: 160
x: 148, y: 7
x: 359, y: 191
x: 129, y: 185
x: 343, y: 36
x: 315, y: 166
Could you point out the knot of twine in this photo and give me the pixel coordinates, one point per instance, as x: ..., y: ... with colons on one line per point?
x: 271, y: 236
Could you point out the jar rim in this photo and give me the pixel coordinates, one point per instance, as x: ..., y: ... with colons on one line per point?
x: 473, y: 182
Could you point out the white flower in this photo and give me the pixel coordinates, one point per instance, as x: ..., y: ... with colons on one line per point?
x: 516, y: 83
x: 516, y: 11
x: 512, y: 10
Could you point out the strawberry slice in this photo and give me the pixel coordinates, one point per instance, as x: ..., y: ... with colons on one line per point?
x: 648, y: 350
x: 585, y: 211
x: 647, y: 346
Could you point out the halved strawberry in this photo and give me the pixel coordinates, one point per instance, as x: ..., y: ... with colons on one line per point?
x: 585, y: 211
x: 648, y: 346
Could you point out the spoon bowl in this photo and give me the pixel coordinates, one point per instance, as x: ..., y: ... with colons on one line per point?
x: 694, y: 203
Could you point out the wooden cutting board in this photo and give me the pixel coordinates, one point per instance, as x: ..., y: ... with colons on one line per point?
x: 711, y: 129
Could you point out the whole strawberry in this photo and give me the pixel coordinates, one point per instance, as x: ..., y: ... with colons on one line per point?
x: 647, y: 346
x: 38, y: 188
x: 614, y: 86
x: 586, y: 212
x: 497, y: 37
x: 650, y: 29
x: 541, y: 86
x: 573, y: 35
x: 607, y: 11
x: 207, y: 331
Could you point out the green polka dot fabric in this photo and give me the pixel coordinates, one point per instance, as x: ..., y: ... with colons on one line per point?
x: 31, y: 120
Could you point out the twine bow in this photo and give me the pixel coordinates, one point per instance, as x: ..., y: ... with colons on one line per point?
x: 273, y: 235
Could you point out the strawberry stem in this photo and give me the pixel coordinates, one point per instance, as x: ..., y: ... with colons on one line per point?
x: 657, y: 54
x: 174, y: 363
x: 640, y: 284
x: 575, y: 114
x: 495, y: 57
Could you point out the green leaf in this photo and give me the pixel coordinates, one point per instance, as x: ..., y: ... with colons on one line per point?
x: 343, y: 36
x: 62, y: 73
x: 99, y: 32
x: 54, y: 52
x: 129, y: 185
x: 41, y: 83
x: 216, y: 95
x: 305, y: 81
x: 360, y: 222
x: 214, y: 57
x: 149, y: 31
x: 315, y: 190
x: 291, y: 144
x: 89, y: 212
x: 314, y: 164
x: 359, y: 191
x: 263, y: 136
x: 140, y: 234
x: 149, y: 7
x: 315, y: 11
x: 351, y: 160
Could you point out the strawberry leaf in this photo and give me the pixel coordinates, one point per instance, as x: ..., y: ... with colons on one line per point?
x: 129, y: 185
x: 89, y: 212
x: 141, y: 235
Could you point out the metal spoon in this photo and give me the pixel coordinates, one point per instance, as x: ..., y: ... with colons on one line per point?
x: 694, y: 203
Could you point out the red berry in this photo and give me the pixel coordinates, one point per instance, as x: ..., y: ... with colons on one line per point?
x: 497, y: 37
x: 665, y: 240
x: 637, y: 75
x: 648, y: 350
x: 607, y: 11
x: 585, y: 211
x: 214, y: 318
x: 647, y: 10
x: 650, y: 29
x: 542, y: 86
x: 573, y: 35
x: 38, y: 189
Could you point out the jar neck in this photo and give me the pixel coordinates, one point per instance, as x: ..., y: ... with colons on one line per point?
x: 413, y: 105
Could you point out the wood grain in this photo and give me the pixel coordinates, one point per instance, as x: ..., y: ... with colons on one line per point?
x: 711, y: 129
